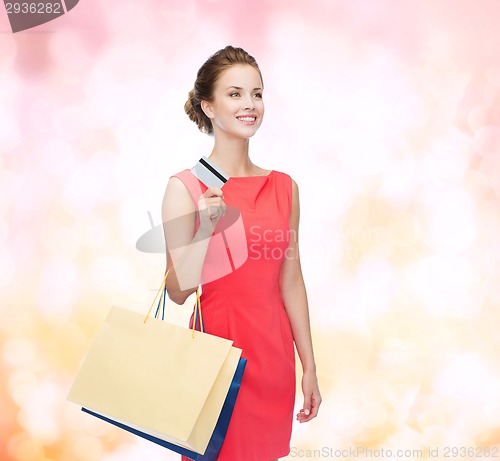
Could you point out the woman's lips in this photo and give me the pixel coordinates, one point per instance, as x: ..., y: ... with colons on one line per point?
x: 247, y: 120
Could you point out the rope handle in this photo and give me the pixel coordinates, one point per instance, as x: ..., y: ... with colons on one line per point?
x: 197, y: 306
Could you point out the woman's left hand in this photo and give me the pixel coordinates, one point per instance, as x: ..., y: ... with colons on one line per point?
x: 312, y: 397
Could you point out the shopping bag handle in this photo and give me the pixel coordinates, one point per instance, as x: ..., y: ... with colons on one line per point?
x: 197, y: 306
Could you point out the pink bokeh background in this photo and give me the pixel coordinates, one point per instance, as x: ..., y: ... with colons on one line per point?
x: 386, y: 113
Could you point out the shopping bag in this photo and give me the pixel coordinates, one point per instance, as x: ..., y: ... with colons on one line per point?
x: 219, y: 434
x: 158, y: 379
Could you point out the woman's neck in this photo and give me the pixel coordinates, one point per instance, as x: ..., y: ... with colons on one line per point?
x: 231, y: 155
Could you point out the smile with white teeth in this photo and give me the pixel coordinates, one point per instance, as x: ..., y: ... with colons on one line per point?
x: 247, y: 119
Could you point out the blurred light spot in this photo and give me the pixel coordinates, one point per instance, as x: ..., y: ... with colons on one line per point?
x: 372, y: 392
x: 60, y: 239
x: 56, y: 288
x: 437, y: 416
x: 99, y: 109
x: 21, y: 385
x: 19, y: 352
x: 450, y: 222
x: 30, y: 450
x: 138, y: 60
x: 364, y: 155
x: 372, y: 414
x: 490, y: 170
x: 56, y: 156
x: 491, y: 413
x: 40, y: 413
x: 397, y: 353
x: 5, y: 203
x: 179, y: 18
x: 114, y: 23
x: 343, y: 417
x: 487, y: 141
x: 77, y: 420
x: 467, y: 377
x: 93, y: 232
x: 449, y: 156
x: 375, y: 285
x: 12, y: 183
x: 131, y: 138
x: 88, y: 448
x: 337, y: 192
x: 433, y: 435
x: 493, y: 72
x: 398, y: 182
x: 402, y: 398
x: 491, y: 260
x: 489, y: 220
x: 68, y: 123
x: 8, y: 265
x: 8, y: 51
x: 124, y: 452
x: 96, y: 427
x: 476, y: 184
x: 478, y: 117
x: 404, y: 229
x: 40, y: 115
x: 10, y: 135
x: 490, y: 287
x: 86, y: 185
x: 447, y: 285
x: 134, y: 219
x: 69, y: 50
x: 111, y: 273
x: 4, y: 228
x: 405, y: 439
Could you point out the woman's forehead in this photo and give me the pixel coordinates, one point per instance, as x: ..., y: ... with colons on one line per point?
x: 240, y: 75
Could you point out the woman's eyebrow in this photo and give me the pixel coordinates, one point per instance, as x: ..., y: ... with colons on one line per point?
x: 239, y: 88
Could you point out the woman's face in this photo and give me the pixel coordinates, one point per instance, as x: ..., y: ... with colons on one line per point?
x: 237, y: 108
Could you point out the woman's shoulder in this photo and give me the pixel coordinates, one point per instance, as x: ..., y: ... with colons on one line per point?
x: 283, y: 176
x: 185, y: 180
x: 180, y: 174
x: 187, y: 177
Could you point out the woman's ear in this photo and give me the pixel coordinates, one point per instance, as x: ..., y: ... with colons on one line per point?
x: 207, y: 108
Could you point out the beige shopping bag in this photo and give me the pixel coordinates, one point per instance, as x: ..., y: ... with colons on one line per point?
x: 157, y: 377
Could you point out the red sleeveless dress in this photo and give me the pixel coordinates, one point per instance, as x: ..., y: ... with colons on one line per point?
x: 243, y: 302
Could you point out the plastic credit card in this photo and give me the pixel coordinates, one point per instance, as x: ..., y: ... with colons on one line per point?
x: 209, y: 174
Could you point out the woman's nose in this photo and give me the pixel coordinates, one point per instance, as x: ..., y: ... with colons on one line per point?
x: 249, y: 103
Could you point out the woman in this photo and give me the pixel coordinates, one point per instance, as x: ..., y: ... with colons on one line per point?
x: 261, y: 305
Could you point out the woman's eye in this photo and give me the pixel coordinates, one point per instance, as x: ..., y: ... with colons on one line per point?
x: 234, y: 94
x: 258, y: 95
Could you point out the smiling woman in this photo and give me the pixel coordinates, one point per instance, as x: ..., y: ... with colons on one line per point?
x: 233, y: 108
x: 268, y: 288
x: 211, y: 72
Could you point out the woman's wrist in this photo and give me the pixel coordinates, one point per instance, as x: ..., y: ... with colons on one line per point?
x: 309, y: 369
x: 205, y: 231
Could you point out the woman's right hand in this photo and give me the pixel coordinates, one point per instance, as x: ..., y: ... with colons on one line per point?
x: 211, y: 208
